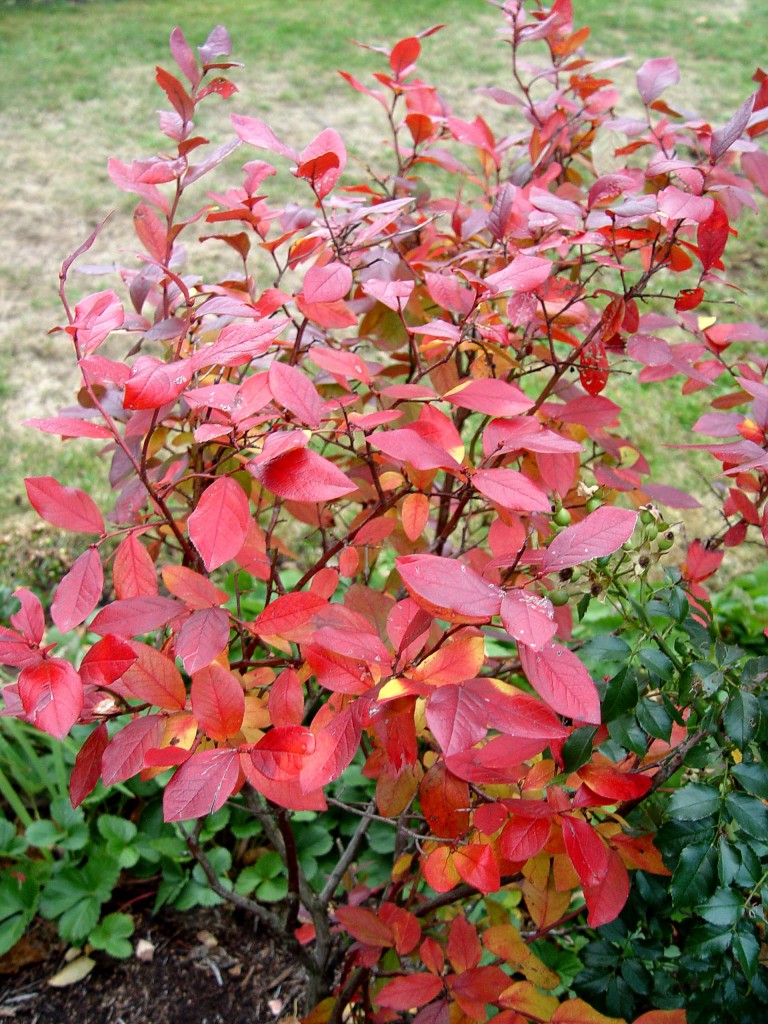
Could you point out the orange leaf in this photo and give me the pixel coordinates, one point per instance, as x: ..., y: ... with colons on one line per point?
x: 576, y: 1011
x: 414, y: 515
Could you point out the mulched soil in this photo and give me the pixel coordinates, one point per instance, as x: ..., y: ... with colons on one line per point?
x: 207, y: 967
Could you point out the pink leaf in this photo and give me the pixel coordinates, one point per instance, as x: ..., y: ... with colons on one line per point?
x: 527, y: 618
x: 202, y: 785
x: 291, y: 389
x: 449, y: 588
x: 680, y: 205
x: 562, y: 681
x: 280, y: 754
x: 184, y: 56
x: 327, y: 283
x: 79, y: 591
x: 260, y: 135
x: 154, y: 678
x: 655, y: 76
x: 52, y: 695
x: 133, y: 571
x: 600, y: 534
x: 392, y: 294
x: 135, y: 615
x: 95, y: 317
x: 219, y: 523
x: 524, y: 274
x: 303, y: 475
x: 30, y: 618
x: 322, y: 162
x: 492, y: 397
x: 510, y: 489
x: 66, y: 507
x: 724, y: 138
x: 456, y: 718
x: 124, y: 756
x: 406, y: 445
x: 202, y: 637
x: 69, y: 426
x: 153, y: 383
x: 218, y: 702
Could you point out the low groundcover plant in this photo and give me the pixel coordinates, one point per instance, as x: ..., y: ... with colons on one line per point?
x: 369, y: 496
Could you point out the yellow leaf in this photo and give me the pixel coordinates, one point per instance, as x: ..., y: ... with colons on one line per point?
x: 73, y: 972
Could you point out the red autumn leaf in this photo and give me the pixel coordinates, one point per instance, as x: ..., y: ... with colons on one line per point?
x: 153, y: 383
x: 490, y: 396
x: 477, y: 865
x: 518, y: 714
x: 712, y: 237
x: 219, y: 523
x: 202, y: 784
x: 322, y: 162
x: 184, y: 56
x: 656, y: 75
x: 510, y: 489
x: 194, y: 589
x: 69, y: 426
x: 444, y: 802
x: 523, y: 838
x: 17, y: 651
x: 463, y: 946
x: 456, y: 718
x: 440, y: 871
x: 133, y: 571
x: 51, y: 693
x: 407, y: 445
x: 405, y: 927
x: 176, y: 93
x: 124, y: 755
x: 286, y: 699
x: 588, y: 852
x: 365, y: 926
x: 593, y: 367
x: 560, y: 679
x: 96, y: 316
x: 449, y: 588
x: 286, y: 614
x: 524, y: 274
x: 302, y: 475
x: 605, y: 900
x: 106, y: 661
x: 599, y: 534
x: 291, y: 389
x: 79, y: 591
x: 66, y: 507
x: 218, y: 702
x: 528, y: 618
x: 87, y: 768
x: 202, y: 637
x: 280, y: 754
x: 662, y: 1017
x: 614, y: 784
x: 133, y: 616
x: 30, y: 618
x: 327, y: 283
x: 409, y: 992
x: 474, y: 988
x: 239, y: 343
x: 154, y: 678
x: 404, y: 55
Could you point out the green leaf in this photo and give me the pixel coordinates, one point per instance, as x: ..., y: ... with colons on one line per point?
x: 707, y: 941
x: 18, y: 905
x: 694, y: 877
x: 749, y: 814
x: 273, y: 890
x: 742, y: 718
x: 654, y: 718
x: 752, y: 776
x: 621, y: 695
x: 728, y: 862
x: 747, y: 950
x: 657, y: 663
x: 43, y: 834
x: 577, y: 749
x: 693, y: 802
x: 116, y: 830
x: 627, y: 732
x: 606, y: 648
x: 723, y: 908
x: 313, y: 839
x: 112, y: 935
x: 76, y: 923
x: 638, y: 977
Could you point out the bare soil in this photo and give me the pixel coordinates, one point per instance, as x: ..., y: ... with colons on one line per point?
x: 208, y: 967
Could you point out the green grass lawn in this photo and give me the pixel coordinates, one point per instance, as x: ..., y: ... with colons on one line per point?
x: 77, y: 86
